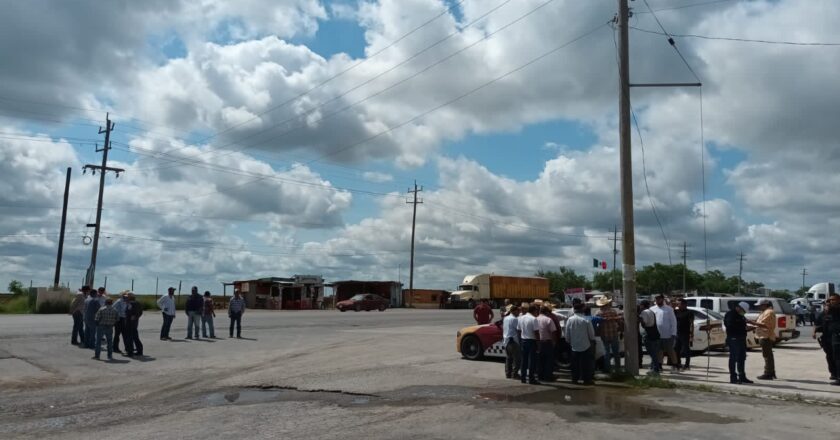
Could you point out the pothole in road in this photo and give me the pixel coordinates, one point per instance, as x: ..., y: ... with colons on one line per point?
x: 602, y: 405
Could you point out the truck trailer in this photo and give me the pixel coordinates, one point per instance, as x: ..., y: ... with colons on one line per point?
x: 498, y: 288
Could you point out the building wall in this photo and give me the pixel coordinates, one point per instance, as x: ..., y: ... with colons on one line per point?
x: 425, y: 298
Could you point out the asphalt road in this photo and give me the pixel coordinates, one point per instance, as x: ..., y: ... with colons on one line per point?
x: 325, y: 374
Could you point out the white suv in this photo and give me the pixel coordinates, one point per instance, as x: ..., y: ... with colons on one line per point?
x: 785, y: 317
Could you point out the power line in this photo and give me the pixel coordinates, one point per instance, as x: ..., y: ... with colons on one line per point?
x: 692, y: 5
x: 741, y: 40
x: 326, y: 116
x: 672, y: 42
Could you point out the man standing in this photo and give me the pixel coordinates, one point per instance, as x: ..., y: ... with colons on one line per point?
x: 101, y: 295
x: 766, y: 333
x: 545, y: 353
x: 106, y: 317
x: 685, y: 334
x: 119, y: 327
x: 829, y: 329
x: 91, y: 307
x: 581, y: 336
x: 193, y: 310
x: 236, y: 307
x: 666, y: 322
x: 736, y: 339
x: 207, y: 315
x: 482, y: 313
x: 166, y: 304
x: 529, y: 334
x: 510, y: 335
x: 77, y: 311
x: 611, y: 325
x: 647, y: 319
x: 133, y: 312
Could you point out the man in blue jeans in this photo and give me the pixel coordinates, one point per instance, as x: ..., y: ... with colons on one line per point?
x: 610, y: 326
x: 581, y: 336
x: 236, y: 307
x: 736, y: 339
x: 91, y: 307
x: 106, y: 317
x: 647, y: 319
x: 195, y: 304
x: 529, y: 334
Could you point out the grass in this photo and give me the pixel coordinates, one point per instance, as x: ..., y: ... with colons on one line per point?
x: 18, y: 304
x: 54, y: 307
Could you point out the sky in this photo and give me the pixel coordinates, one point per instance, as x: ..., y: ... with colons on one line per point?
x: 274, y: 138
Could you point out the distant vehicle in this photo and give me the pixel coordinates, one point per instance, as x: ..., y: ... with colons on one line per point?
x: 363, y: 301
x: 819, y: 292
x: 785, y: 316
x: 498, y: 288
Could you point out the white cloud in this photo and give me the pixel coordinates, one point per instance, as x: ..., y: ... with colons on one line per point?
x: 376, y: 177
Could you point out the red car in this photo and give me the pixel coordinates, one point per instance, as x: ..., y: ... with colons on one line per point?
x: 363, y: 301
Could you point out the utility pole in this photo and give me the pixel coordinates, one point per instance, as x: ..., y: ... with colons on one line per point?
x: 414, y: 202
x: 628, y: 246
x: 615, y: 254
x: 804, y: 272
x: 685, y: 264
x: 740, y: 270
x: 61, y: 234
x: 103, y: 169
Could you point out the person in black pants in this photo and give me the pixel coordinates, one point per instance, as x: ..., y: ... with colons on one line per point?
x: 236, y: 307
x: 133, y: 312
x: 736, y: 339
x: 685, y: 333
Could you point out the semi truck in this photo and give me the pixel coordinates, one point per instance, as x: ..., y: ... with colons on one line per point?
x: 498, y: 288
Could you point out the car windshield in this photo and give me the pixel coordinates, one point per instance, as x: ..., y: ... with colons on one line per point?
x: 358, y: 298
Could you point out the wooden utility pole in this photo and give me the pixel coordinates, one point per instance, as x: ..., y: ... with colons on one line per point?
x: 628, y: 247
x: 414, y: 202
x: 615, y: 255
x: 804, y: 272
x: 740, y: 271
x: 685, y: 266
x: 103, y: 169
x: 61, y: 233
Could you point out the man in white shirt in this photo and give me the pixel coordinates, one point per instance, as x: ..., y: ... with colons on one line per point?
x: 510, y: 333
x: 167, y: 306
x: 666, y: 323
x: 547, y: 333
x: 581, y: 336
x: 529, y: 334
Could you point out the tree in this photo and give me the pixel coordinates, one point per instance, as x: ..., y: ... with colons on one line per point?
x: 782, y: 294
x: 662, y: 278
x: 16, y: 288
x: 604, y: 280
x: 565, y: 278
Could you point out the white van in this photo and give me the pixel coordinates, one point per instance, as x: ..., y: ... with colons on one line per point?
x: 785, y: 317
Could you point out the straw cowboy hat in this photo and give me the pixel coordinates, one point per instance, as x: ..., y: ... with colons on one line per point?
x: 603, y: 301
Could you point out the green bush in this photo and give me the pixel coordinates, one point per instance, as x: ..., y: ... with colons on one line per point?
x: 18, y: 304
x: 54, y: 307
x: 149, y: 303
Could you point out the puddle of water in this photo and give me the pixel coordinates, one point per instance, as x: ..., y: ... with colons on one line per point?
x: 250, y: 396
x: 598, y: 405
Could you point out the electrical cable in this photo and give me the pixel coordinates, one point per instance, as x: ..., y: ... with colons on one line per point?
x: 327, y: 116
x: 340, y: 73
x: 740, y: 40
x: 672, y: 42
x: 692, y: 5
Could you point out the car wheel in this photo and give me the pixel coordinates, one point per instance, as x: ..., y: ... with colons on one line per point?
x: 382, y: 308
x: 470, y: 304
x: 471, y: 348
x: 342, y: 309
x: 357, y: 308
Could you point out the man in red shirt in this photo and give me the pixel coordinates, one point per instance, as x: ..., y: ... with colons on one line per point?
x: 482, y: 313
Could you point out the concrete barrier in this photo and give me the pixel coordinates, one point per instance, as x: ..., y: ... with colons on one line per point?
x: 55, y: 295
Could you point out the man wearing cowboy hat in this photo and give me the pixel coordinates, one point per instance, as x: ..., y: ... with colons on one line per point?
x: 611, y: 324
x: 77, y: 312
x: 766, y: 333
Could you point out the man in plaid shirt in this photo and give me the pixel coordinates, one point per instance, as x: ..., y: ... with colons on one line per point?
x: 105, y: 319
x: 610, y: 326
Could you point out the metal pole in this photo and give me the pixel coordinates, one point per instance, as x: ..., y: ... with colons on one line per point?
x: 156, y: 287
x: 95, y: 250
x: 61, y: 234
x: 132, y: 285
x: 685, y: 255
x: 615, y: 254
x: 628, y: 244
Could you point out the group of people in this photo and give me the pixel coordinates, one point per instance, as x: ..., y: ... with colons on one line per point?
x: 98, y: 318
x: 535, y: 343
x: 802, y: 312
